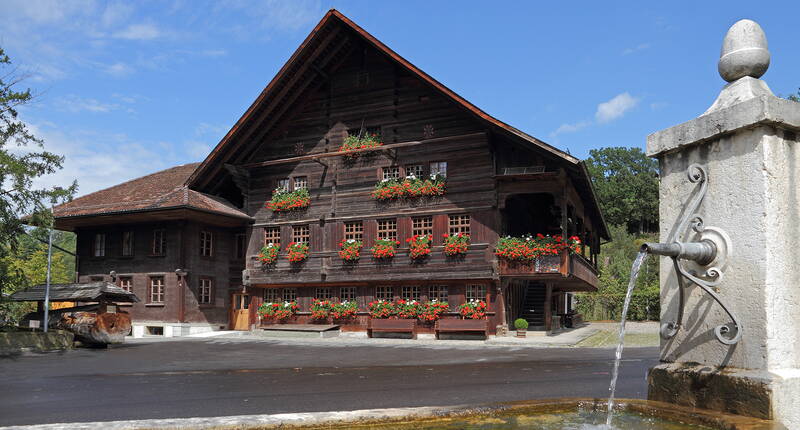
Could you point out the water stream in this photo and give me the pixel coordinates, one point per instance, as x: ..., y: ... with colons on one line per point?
x: 637, y: 264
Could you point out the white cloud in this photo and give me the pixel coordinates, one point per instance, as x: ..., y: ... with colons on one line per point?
x: 75, y: 104
x: 637, y: 48
x: 615, y: 108
x: 139, y: 32
x: 119, y: 69
x: 570, y: 128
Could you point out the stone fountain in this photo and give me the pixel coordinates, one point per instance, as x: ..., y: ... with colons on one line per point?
x: 730, y: 294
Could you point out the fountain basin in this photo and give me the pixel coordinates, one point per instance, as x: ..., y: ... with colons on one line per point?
x: 551, y: 414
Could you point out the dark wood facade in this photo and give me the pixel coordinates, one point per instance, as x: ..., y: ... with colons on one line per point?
x: 499, y: 181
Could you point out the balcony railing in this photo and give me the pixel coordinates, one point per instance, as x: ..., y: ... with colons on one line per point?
x: 573, y: 267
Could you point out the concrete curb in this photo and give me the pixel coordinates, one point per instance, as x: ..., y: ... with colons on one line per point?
x: 259, y: 421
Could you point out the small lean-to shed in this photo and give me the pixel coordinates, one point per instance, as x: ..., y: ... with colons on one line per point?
x: 96, y: 322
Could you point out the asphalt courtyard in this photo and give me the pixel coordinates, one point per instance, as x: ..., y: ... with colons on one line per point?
x: 225, y: 376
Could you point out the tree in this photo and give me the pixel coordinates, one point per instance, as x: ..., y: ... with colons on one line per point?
x: 22, y: 160
x: 626, y: 182
x: 794, y: 97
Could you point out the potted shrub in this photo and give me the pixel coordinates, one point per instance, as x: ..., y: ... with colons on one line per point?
x: 419, y: 246
x: 298, y: 252
x: 284, y: 200
x: 269, y: 253
x: 522, y: 326
x: 384, y: 248
x: 456, y: 244
x: 350, y: 250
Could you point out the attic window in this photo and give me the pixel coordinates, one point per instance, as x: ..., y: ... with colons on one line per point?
x: 362, y: 78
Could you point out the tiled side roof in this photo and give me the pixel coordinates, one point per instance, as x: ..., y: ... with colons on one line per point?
x: 160, y: 190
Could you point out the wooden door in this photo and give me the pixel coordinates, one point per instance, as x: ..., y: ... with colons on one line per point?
x: 240, y: 312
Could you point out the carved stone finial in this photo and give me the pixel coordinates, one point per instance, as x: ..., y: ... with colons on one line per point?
x: 744, y: 52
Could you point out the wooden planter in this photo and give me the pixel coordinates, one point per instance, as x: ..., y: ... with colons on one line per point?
x: 392, y: 326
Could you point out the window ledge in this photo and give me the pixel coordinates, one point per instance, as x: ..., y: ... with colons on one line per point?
x: 157, y: 255
x: 154, y: 305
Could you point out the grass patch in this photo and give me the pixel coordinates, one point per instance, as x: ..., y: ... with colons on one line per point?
x: 609, y: 338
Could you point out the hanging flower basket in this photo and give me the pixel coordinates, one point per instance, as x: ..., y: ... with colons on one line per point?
x: 419, y: 246
x: 344, y: 310
x: 297, y: 252
x: 269, y: 253
x: 277, y: 311
x: 456, y: 244
x: 529, y: 248
x: 384, y: 248
x: 320, y: 309
x: 356, y: 142
x: 350, y: 250
x: 410, y: 187
x: 284, y: 201
x: 473, y: 309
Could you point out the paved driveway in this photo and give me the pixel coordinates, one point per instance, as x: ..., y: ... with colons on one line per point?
x: 220, y: 377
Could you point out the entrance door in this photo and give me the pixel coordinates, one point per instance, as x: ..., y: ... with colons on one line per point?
x: 240, y: 315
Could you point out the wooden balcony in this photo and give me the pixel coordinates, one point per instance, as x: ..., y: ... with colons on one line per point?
x: 574, y: 271
x: 328, y: 267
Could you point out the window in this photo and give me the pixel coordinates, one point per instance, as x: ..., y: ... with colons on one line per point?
x: 384, y: 293
x: 126, y: 283
x: 411, y: 293
x: 354, y: 230
x: 439, y: 168
x: 272, y: 295
x: 476, y: 292
x: 414, y: 170
x: 459, y: 224
x: 283, y: 184
x: 392, y: 172
x: 347, y: 294
x: 159, y: 242
x: 206, y: 243
x: 323, y: 293
x: 290, y: 294
x: 438, y: 293
x: 422, y: 225
x: 272, y: 235
x: 387, y: 229
x: 157, y: 289
x: 300, y: 234
x: 99, y: 246
x: 241, y: 245
x: 300, y: 182
x: 204, y: 294
x: 127, y: 243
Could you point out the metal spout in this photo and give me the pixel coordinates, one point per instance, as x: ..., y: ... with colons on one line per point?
x: 702, y: 252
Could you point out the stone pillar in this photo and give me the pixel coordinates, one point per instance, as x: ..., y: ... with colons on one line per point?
x: 747, y: 142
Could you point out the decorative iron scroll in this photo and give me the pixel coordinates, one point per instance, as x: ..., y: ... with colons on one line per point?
x: 712, y: 276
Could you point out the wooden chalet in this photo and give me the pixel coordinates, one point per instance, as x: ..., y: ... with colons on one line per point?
x: 186, y: 239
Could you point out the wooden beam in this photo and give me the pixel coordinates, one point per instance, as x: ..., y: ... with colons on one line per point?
x: 391, y: 146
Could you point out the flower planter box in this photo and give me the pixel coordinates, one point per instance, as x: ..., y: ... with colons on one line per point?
x: 462, y: 326
x: 378, y: 325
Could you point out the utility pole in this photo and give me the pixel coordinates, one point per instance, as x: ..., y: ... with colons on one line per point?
x: 47, y: 283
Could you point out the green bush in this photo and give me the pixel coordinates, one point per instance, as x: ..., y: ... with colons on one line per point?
x: 521, y: 324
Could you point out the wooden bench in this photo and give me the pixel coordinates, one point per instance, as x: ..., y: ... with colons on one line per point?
x: 452, y: 325
x: 379, y: 325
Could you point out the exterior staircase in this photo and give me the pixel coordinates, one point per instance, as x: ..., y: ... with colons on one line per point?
x: 533, y: 307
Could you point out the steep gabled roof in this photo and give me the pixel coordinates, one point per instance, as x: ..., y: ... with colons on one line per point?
x: 275, y: 94
x: 157, y: 191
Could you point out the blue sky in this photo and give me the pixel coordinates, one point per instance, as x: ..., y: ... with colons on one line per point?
x: 128, y: 88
